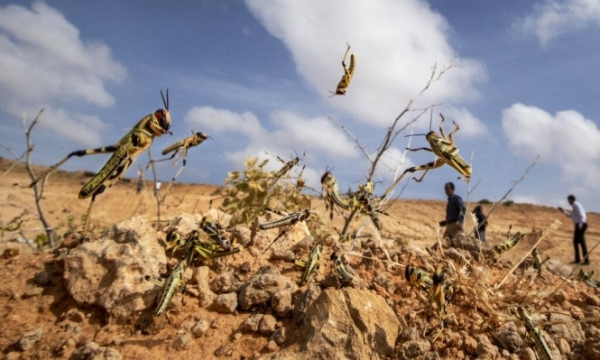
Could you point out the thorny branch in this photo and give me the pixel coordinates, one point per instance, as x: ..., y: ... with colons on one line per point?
x: 37, y: 192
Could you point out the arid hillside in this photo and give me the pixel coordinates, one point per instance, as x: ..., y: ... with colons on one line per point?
x: 92, y: 300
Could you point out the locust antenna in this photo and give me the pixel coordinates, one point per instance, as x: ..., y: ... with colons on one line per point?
x: 165, y: 103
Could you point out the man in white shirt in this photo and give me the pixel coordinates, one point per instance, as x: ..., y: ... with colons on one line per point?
x: 579, y: 219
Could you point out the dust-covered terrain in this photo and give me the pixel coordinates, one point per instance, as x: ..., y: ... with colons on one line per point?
x: 89, y: 300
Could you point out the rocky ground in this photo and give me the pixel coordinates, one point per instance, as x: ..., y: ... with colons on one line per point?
x: 89, y: 300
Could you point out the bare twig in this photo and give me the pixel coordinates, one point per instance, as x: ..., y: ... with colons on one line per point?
x: 358, y: 144
x: 158, y: 202
x: 37, y: 192
x: 513, y: 186
x: 17, y: 159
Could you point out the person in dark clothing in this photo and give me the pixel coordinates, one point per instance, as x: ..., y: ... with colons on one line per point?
x: 455, y: 212
x: 579, y: 218
x: 481, y: 223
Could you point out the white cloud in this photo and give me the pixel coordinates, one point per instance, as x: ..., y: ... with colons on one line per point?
x: 395, y: 43
x: 292, y: 131
x: 551, y: 18
x: 566, y: 139
x: 81, y: 128
x: 49, y: 62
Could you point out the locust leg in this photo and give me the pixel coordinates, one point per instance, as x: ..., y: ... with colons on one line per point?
x: 89, y: 211
x: 429, y: 166
x: 165, y: 159
x: 442, y: 127
x: 452, y: 133
x: 101, y: 150
x: 418, y: 149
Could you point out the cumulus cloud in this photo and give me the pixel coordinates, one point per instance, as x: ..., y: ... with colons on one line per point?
x: 291, y: 131
x: 553, y: 18
x: 566, y: 139
x: 395, y: 42
x: 50, y: 64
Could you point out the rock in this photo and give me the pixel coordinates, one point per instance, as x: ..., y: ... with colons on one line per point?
x: 272, y: 346
x: 205, y: 295
x: 414, y: 349
x: 283, y: 254
x: 182, y: 341
x: 13, y: 355
x: 432, y: 355
x: 508, y: 339
x: 241, y: 234
x: 32, y: 292
x: 42, y: 278
x: 225, y: 349
x: 219, y: 216
x: 279, y: 336
x: 472, y: 245
x: 200, y: 328
x: 305, y: 300
x: 93, y: 351
x: 184, y: 223
x: 591, y: 299
x: 222, y: 283
x: 527, y: 354
x: 262, y: 286
x: 558, y: 298
x: 410, y: 333
x: 382, y: 280
x: 470, y: 345
x: 226, y: 303
x: 303, y: 245
x: 295, y: 234
x: 568, y: 330
x: 346, y: 323
x: 562, y: 344
x: 282, y: 302
x: 110, y: 272
x: 486, y: 349
x: 267, y: 325
x: 29, y: 339
x: 252, y: 322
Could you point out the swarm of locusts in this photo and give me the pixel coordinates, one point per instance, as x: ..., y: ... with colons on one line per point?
x: 437, y: 281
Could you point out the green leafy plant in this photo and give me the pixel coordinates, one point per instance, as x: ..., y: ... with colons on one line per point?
x: 246, y: 195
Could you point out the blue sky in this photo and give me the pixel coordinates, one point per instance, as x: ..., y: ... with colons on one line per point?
x: 255, y: 75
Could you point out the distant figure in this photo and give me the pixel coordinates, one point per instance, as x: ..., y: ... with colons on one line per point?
x: 481, y: 223
x: 577, y: 214
x: 157, y: 187
x: 140, y: 183
x: 455, y: 212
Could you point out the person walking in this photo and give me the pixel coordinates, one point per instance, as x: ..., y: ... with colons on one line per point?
x: 577, y: 214
x: 455, y: 212
x: 481, y: 223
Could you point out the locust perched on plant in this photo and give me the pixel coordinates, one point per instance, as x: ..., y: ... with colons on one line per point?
x: 173, y: 284
x: 123, y: 154
x: 446, y: 152
x: 287, y: 166
x: 535, y: 334
x: 182, y: 145
x: 332, y: 192
x: 348, y: 73
x: 289, y: 220
x: 311, y: 264
x: 538, y: 263
x: 509, y: 243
